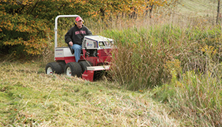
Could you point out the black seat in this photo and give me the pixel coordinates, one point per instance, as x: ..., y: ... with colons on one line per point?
x: 72, y: 50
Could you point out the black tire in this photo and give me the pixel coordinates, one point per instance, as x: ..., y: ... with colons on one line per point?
x: 53, y: 67
x: 73, y: 69
x: 63, y: 65
x: 84, y: 65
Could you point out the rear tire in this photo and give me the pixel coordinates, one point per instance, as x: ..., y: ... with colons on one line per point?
x: 73, y: 69
x: 84, y: 65
x: 53, y: 67
x: 62, y: 64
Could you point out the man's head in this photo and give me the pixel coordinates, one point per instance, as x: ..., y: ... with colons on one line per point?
x: 79, y: 22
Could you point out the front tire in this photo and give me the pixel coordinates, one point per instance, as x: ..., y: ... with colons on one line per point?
x: 53, y: 67
x: 84, y: 65
x: 73, y: 69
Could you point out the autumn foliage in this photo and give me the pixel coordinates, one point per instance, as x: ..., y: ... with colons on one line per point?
x: 26, y: 26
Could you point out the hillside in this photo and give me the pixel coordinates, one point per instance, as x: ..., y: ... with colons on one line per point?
x: 198, y: 7
x: 31, y: 98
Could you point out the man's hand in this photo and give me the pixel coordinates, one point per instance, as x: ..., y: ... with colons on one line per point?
x: 71, y: 43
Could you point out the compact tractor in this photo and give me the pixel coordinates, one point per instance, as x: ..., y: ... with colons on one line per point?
x: 95, y: 56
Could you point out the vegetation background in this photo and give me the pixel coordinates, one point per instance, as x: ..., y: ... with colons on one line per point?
x: 166, y: 71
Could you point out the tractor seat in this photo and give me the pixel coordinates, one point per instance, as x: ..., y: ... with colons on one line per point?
x: 72, y: 50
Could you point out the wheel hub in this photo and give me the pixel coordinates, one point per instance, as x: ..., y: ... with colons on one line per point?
x: 68, y: 71
x: 49, y: 70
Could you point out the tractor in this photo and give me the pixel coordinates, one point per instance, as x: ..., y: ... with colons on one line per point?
x: 95, y: 56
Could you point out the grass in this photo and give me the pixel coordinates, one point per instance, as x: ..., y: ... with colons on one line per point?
x: 31, y: 98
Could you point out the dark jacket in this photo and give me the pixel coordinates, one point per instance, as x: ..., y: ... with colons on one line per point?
x: 76, y: 35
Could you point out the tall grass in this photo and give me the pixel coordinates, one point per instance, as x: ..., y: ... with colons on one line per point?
x: 142, y: 53
x: 195, y: 97
x: 137, y: 62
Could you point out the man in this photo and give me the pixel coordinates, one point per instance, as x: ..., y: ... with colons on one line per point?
x: 75, y: 36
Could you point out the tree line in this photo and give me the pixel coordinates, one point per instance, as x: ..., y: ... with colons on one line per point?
x: 26, y: 25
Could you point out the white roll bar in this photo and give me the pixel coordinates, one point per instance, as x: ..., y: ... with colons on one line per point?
x: 56, y: 21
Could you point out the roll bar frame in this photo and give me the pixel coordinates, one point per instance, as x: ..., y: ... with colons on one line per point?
x: 56, y: 24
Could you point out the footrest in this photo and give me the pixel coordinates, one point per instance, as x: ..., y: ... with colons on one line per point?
x: 98, y: 68
x: 89, y: 73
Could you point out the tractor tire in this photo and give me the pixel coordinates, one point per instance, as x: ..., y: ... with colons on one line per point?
x: 73, y: 69
x: 84, y: 65
x: 62, y: 64
x: 52, y: 68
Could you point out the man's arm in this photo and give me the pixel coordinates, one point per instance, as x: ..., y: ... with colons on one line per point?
x: 68, y: 36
